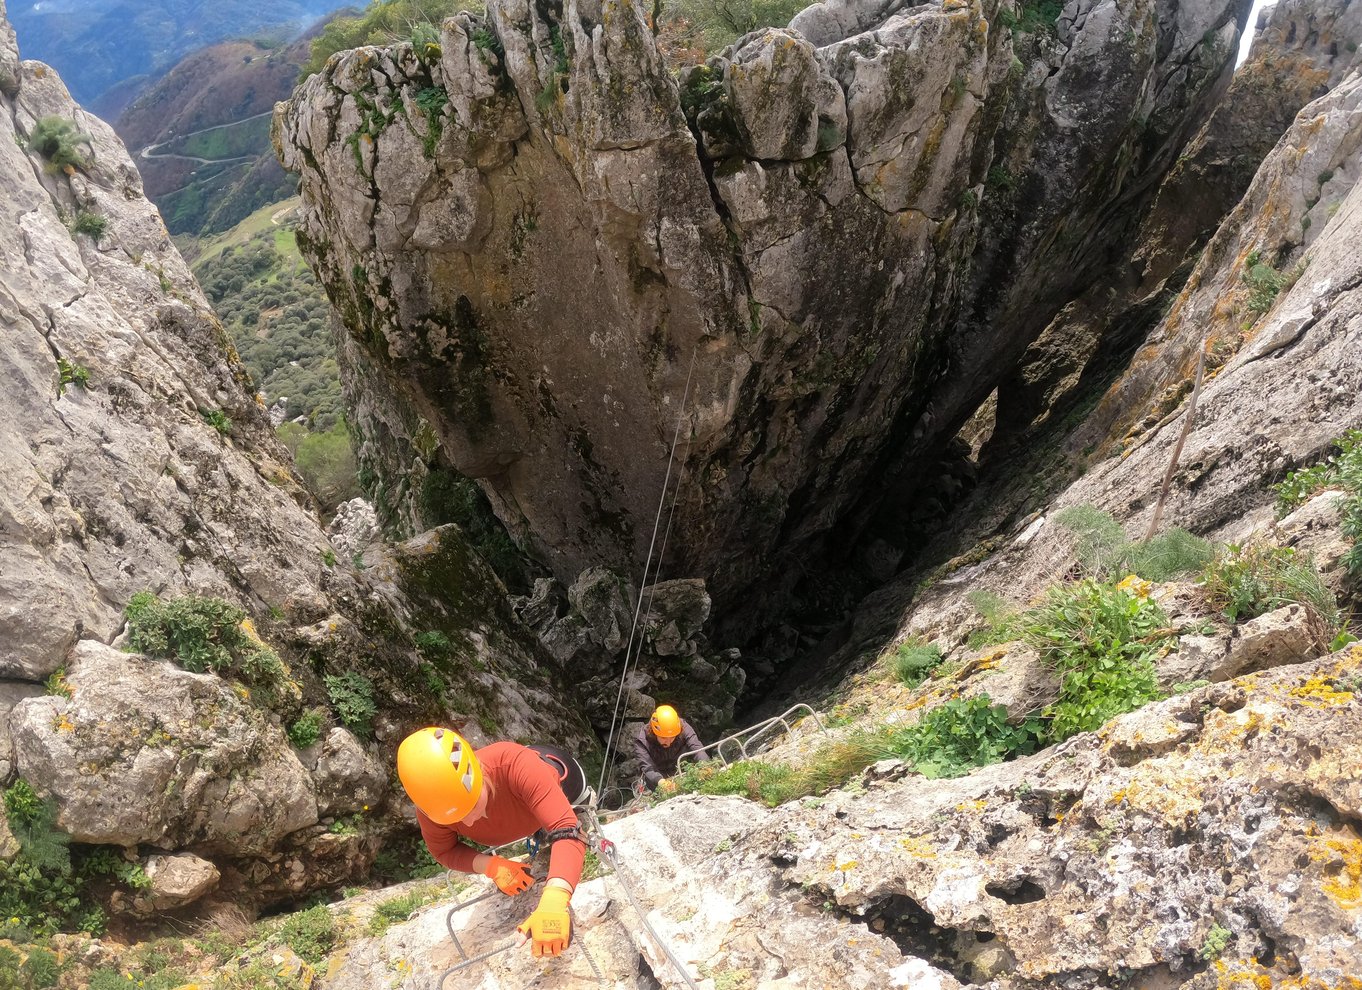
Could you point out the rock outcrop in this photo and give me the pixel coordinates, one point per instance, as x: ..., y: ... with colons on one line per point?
x: 1302, y: 49
x: 1205, y: 842
x: 137, y: 459
x: 550, y: 256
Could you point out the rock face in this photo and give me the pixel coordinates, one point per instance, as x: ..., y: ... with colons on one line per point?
x: 1302, y: 49
x: 588, y: 631
x: 1239, y: 297
x: 1205, y: 842
x: 137, y: 458
x: 550, y: 257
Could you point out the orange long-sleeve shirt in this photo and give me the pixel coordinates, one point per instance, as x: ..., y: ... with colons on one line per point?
x: 524, y: 798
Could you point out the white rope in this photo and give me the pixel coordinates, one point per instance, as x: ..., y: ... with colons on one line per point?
x: 609, y: 760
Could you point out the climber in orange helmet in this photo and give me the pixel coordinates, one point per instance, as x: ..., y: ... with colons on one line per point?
x: 658, y: 744
x: 500, y: 794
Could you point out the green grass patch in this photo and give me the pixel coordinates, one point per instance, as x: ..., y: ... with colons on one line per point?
x: 913, y: 661
x: 1246, y: 582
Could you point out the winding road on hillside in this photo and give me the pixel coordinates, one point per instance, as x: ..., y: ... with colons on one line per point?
x: 150, y: 152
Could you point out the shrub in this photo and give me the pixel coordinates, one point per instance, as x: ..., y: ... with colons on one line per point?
x: 88, y: 222
x: 1343, y: 470
x: 306, y: 729
x: 1265, y: 282
x: 38, y: 893
x: 960, y: 735
x: 203, y: 634
x: 1246, y: 582
x: 1101, y: 640
x: 57, y: 139
x: 352, y: 696
x: 382, y: 23
x: 914, y: 660
x: 311, y: 934
x: 57, y: 684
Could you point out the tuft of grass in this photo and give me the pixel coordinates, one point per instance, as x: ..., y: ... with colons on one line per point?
x: 1246, y: 582
x: 92, y: 224
x: 58, y: 139
x: 1105, y: 552
x: 396, y: 910
x: 913, y: 661
x: 1001, y: 619
x: 312, y: 934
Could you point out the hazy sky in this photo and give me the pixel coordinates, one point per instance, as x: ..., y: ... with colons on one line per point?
x: 1247, y: 38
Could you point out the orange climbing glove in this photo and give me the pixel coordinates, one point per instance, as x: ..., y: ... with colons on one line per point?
x: 550, y: 926
x: 510, y: 876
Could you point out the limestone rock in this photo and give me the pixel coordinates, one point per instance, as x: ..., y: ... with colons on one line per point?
x: 346, y: 777
x: 354, y: 527
x: 803, y: 285
x: 1288, y: 635
x: 177, y: 880
x: 179, y: 758
x: 11, y: 693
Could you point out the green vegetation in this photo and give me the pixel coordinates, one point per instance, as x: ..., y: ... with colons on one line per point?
x: 352, y: 697
x: 205, y: 634
x: 1104, y: 551
x: 217, y: 419
x: 712, y: 24
x: 1245, y: 582
x: 403, y: 859
x: 70, y: 374
x: 277, y: 317
x: 311, y: 934
x: 1265, y: 282
x: 1102, y: 641
x: 325, y: 460
x: 58, y: 140
x: 382, y: 23
x: 306, y: 729
x: 913, y: 660
x: 57, y: 683
x: 397, y: 909
x: 962, y: 734
x: 1032, y: 16
x: 432, y: 102
x: 40, y: 894
x: 1341, y: 470
x: 88, y: 222
x: 1216, y: 941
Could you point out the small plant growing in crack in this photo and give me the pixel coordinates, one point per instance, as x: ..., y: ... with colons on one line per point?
x: 71, y: 374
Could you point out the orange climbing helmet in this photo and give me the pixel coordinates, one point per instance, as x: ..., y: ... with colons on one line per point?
x: 440, y: 773
x: 665, y: 723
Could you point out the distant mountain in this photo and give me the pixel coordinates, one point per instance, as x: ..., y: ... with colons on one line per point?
x: 200, y: 135
x: 103, y: 48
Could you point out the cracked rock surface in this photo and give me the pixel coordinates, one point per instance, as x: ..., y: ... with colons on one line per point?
x: 116, y: 482
x: 548, y: 251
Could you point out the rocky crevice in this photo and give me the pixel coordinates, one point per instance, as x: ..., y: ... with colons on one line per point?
x: 813, y: 249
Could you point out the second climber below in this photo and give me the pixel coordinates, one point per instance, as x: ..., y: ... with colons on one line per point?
x: 497, y: 795
x: 659, y: 744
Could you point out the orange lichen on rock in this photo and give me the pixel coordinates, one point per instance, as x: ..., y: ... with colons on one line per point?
x: 1341, y: 855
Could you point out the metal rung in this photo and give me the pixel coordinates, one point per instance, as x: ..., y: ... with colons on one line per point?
x: 748, y: 736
